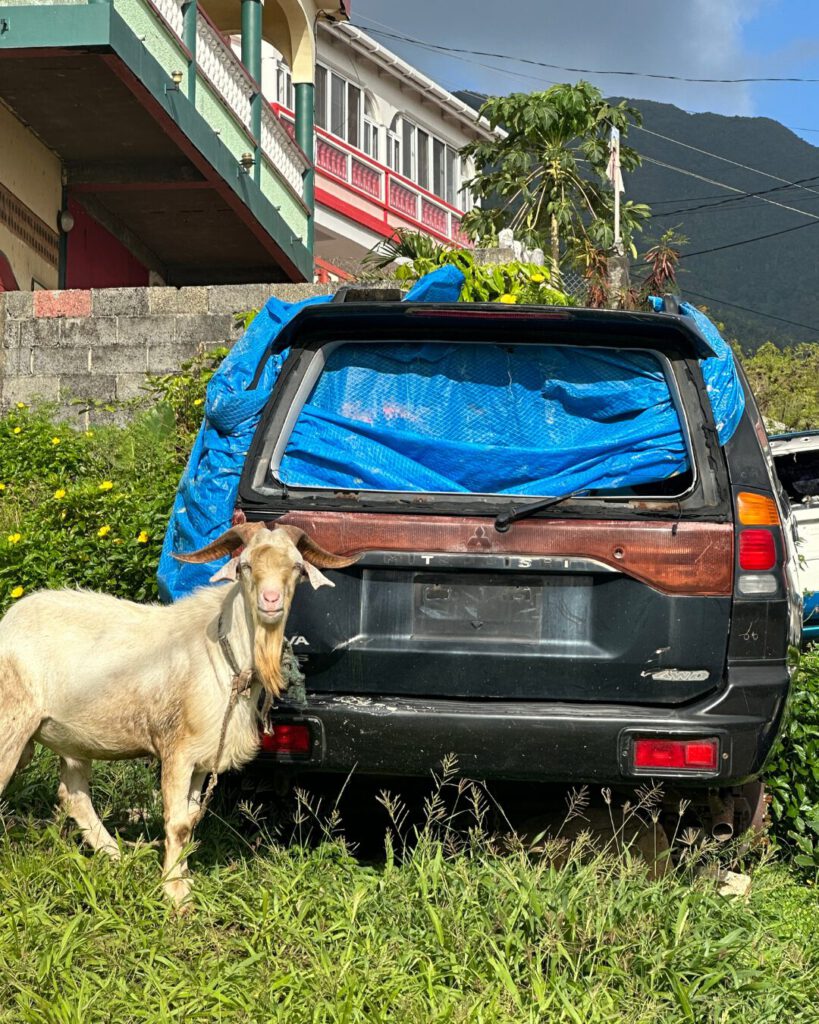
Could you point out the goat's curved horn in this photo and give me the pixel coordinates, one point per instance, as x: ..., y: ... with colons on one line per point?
x: 235, y: 537
x: 314, y: 554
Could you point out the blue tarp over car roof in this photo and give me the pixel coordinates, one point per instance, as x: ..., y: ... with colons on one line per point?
x: 441, y: 417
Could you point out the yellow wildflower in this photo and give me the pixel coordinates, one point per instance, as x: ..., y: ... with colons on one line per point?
x: 17, y: 592
x: 106, y: 485
x: 56, y: 440
x: 15, y: 538
x: 59, y: 493
x: 17, y: 430
x: 537, y: 278
x: 118, y: 540
x: 143, y: 537
x: 22, y: 405
x: 508, y: 299
x: 198, y: 401
x: 2, y: 487
x: 103, y: 531
x: 89, y: 433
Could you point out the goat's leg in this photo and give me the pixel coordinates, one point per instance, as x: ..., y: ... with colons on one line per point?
x: 19, y: 720
x: 75, y: 797
x: 195, y: 795
x: 177, y: 789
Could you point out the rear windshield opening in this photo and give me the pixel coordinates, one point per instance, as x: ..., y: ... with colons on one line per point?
x: 448, y: 418
x: 799, y: 474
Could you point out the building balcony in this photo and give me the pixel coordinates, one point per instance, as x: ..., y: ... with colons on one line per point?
x: 151, y: 115
x: 353, y: 184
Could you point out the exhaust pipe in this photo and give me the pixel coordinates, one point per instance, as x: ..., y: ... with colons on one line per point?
x: 722, y: 815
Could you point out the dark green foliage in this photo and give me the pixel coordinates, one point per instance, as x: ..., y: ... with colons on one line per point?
x: 546, y: 178
x: 792, y: 775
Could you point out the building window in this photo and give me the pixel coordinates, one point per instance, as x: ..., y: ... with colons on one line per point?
x: 284, y: 86
x: 338, y: 106
x: 427, y: 161
x: 321, y: 97
x: 353, y: 115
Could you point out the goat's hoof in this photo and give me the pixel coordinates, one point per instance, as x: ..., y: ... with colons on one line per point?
x: 178, y: 891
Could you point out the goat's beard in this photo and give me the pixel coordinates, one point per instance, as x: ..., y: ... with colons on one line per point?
x: 267, y: 656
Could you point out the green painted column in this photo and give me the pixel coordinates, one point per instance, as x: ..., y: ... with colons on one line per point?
x: 252, y: 60
x: 189, y: 39
x: 305, y: 136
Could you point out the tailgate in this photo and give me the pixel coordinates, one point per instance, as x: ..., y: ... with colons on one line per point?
x: 553, y: 610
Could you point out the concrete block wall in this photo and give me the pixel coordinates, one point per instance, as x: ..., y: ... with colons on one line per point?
x: 98, y: 345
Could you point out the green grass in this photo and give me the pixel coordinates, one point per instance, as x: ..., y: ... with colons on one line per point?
x: 464, y: 930
x: 460, y: 928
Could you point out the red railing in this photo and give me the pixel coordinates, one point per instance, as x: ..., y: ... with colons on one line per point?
x: 374, y: 181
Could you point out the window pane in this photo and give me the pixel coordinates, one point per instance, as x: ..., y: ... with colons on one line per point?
x: 451, y: 194
x: 423, y: 159
x: 408, y: 131
x: 438, y: 168
x: 353, y: 114
x: 338, y: 89
x: 321, y: 96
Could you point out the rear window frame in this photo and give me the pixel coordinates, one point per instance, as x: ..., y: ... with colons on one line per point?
x: 312, y: 375
x: 707, y: 497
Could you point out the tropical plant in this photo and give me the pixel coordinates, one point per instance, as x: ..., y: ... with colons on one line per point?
x: 546, y: 177
x: 514, y: 282
x: 404, y: 244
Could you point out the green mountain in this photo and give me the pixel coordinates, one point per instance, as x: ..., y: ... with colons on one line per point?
x: 778, y: 275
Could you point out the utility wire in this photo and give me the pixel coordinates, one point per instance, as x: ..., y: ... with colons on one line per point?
x: 729, y: 188
x: 583, y: 71
x: 724, y: 159
x: 730, y: 201
x: 755, y: 312
x: 746, y: 241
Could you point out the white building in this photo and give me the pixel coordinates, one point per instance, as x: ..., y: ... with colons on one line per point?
x: 387, y: 141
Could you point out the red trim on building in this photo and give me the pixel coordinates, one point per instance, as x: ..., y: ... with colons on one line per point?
x: 8, y: 282
x: 96, y: 258
x: 326, y: 271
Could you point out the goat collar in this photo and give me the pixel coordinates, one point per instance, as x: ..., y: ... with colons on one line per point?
x: 241, y: 678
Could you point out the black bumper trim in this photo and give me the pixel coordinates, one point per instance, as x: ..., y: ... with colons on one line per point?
x: 539, y: 741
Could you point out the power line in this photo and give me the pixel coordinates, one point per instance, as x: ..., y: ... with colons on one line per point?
x: 746, y: 241
x: 729, y: 188
x: 755, y: 312
x: 585, y: 71
x: 724, y: 159
x: 725, y: 201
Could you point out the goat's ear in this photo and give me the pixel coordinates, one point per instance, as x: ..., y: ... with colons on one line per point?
x: 314, y: 554
x: 316, y: 577
x: 227, y: 572
x: 230, y: 540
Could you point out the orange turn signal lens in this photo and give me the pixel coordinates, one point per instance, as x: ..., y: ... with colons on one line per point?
x: 757, y: 510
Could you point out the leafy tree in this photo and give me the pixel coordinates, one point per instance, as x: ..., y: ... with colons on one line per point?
x: 546, y: 178
x: 786, y: 384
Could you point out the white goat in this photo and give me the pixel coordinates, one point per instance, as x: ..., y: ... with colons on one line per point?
x: 97, y: 677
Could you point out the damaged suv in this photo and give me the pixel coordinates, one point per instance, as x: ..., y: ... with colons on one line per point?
x: 571, y: 569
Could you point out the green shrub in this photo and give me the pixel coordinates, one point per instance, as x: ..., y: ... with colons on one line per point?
x: 792, y: 776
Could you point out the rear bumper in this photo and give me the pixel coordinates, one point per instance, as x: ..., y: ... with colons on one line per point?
x: 543, y: 742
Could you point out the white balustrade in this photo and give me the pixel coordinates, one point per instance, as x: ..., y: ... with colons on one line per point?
x: 280, y: 149
x: 171, y: 11
x: 215, y: 57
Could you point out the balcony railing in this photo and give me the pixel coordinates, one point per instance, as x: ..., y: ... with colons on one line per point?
x: 376, y: 182
x: 232, y: 85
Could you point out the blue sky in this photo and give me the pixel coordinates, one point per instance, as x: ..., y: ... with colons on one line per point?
x: 695, y: 38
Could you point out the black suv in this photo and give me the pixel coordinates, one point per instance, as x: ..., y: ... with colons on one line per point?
x: 606, y: 637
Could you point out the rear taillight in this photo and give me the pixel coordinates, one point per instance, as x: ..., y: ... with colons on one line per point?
x: 676, y: 755
x: 756, y: 510
x: 758, y: 553
x: 757, y: 550
x: 286, y: 738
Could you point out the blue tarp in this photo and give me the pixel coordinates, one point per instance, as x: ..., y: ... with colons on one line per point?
x: 547, y: 422
x: 206, y: 495
x: 485, y: 419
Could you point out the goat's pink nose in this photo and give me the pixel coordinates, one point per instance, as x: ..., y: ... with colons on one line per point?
x: 272, y: 598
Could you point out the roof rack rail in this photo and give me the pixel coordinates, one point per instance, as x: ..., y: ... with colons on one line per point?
x: 368, y: 293
x: 671, y: 304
